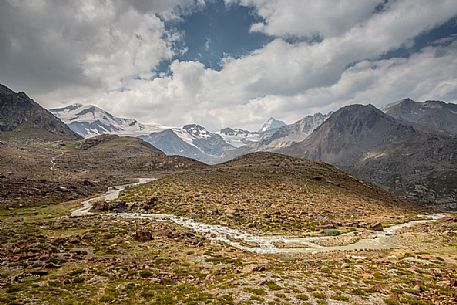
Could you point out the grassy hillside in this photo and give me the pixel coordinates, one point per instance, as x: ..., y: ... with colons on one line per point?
x: 276, y: 194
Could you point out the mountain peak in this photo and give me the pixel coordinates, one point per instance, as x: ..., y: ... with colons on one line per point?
x: 196, y: 130
x: 432, y: 115
x: 271, y: 124
x: 90, y: 120
x: 23, y: 117
x: 406, y: 102
x: 357, y: 112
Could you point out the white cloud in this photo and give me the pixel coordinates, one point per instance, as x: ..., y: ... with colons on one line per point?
x: 282, y: 79
x: 52, y: 46
x: 429, y: 74
x: 308, y: 18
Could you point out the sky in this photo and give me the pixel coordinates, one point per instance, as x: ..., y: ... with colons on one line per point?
x: 223, y: 63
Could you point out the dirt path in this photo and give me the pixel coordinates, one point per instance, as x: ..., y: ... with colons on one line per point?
x: 262, y: 244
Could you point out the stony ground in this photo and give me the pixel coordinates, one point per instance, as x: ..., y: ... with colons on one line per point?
x: 49, y: 258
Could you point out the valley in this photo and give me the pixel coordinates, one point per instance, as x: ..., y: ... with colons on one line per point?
x: 381, y: 239
x: 228, y: 152
x: 79, y: 227
x: 124, y: 258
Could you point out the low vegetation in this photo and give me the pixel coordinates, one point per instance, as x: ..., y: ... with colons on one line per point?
x: 49, y: 258
x: 275, y: 194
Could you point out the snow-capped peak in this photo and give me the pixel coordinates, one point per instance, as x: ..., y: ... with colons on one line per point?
x: 238, y: 137
x: 197, y: 131
x: 90, y: 120
x: 271, y: 124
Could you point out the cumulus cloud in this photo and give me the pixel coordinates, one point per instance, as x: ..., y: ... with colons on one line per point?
x: 284, y: 79
x: 428, y: 74
x: 325, y: 18
x: 51, y: 45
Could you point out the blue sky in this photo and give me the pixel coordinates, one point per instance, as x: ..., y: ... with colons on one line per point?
x: 232, y: 63
x: 215, y: 31
x: 218, y: 30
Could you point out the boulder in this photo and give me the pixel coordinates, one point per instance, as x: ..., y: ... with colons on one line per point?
x: 377, y: 227
x: 143, y: 235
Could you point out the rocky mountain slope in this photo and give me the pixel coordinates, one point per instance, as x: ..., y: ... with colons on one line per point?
x: 379, y: 148
x: 22, y: 118
x: 432, y: 115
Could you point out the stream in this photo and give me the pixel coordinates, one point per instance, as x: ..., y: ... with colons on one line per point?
x: 261, y: 244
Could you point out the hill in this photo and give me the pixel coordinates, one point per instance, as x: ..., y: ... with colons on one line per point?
x: 44, y: 173
x: 276, y: 194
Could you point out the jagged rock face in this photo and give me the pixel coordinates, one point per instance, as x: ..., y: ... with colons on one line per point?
x: 374, y: 146
x: 431, y: 115
x: 210, y: 143
x: 234, y: 131
x: 21, y: 116
x: 238, y: 137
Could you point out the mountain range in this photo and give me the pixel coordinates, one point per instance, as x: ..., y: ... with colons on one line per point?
x: 192, y: 140
x: 407, y: 147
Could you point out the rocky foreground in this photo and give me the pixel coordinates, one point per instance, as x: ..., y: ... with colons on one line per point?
x: 50, y: 258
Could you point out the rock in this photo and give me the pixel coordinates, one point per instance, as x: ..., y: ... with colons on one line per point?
x: 87, y: 182
x: 260, y: 268
x: 328, y: 225
x: 143, y: 235
x: 100, y: 206
x: 80, y: 251
x: 39, y: 272
x: 377, y: 227
x: 121, y: 207
x: 248, y: 268
x: 152, y: 202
